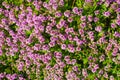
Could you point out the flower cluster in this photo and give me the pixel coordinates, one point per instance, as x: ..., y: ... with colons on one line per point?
x: 60, y: 40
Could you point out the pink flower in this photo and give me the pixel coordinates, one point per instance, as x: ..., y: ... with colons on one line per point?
x: 102, y: 58
x: 45, y: 60
x: 116, y: 34
x: 59, y: 26
x: 75, y: 38
x: 70, y: 19
x: 97, y: 12
x: 55, y: 6
x: 71, y: 30
x: 105, y: 75
x: 2, y: 75
x: 41, y: 39
x: 37, y: 47
x: 73, y: 61
x: 20, y: 66
x: 53, y: 39
x: 90, y: 18
x: 83, y: 25
x: 78, y: 48
x: 70, y: 37
x: 67, y: 13
x: 21, y: 78
x: 118, y: 22
x: 115, y: 49
x: 62, y: 37
x: 68, y: 62
x: 75, y: 10
x: 75, y: 68
x: 93, y: 70
x: 118, y: 1
x: 63, y: 46
x: 114, y: 54
x: 96, y: 19
x: 96, y: 66
x: 8, y: 76
x: 67, y: 58
x: 107, y: 14
x: 48, y: 56
x: 48, y: 28
x: 58, y: 14
x: 81, y: 31
x: 62, y: 22
x: 53, y: 32
x: 62, y: 64
x: 4, y: 21
x: 112, y: 77
x: 52, y: 44
x: 71, y: 48
x: 13, y: 76
x: 113, y: 25
x: 58, y: 54
x: 45, y: 47
x: 79, y: 42
x: 98, y: 28
x: 90, y: 33
x: 61, y: 2
x: 83, y: 18
x: 118, y: 10
x: 84, y: 73
x: 56, y: 66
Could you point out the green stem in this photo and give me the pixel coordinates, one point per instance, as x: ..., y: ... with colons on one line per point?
x: 73, y: 3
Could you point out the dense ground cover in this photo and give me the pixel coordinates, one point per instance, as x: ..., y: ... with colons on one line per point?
x: 59, y: 39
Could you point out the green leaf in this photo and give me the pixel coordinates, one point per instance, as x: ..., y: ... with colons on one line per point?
x: 67, y: 42
x: 32, y: 76
x: 85, y: 61
x: 91, y: 76
x: 101, y: 33
x: 53, y: 62
x: 8, y: 70
x: 28, y: 32
x: 79, y: 3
